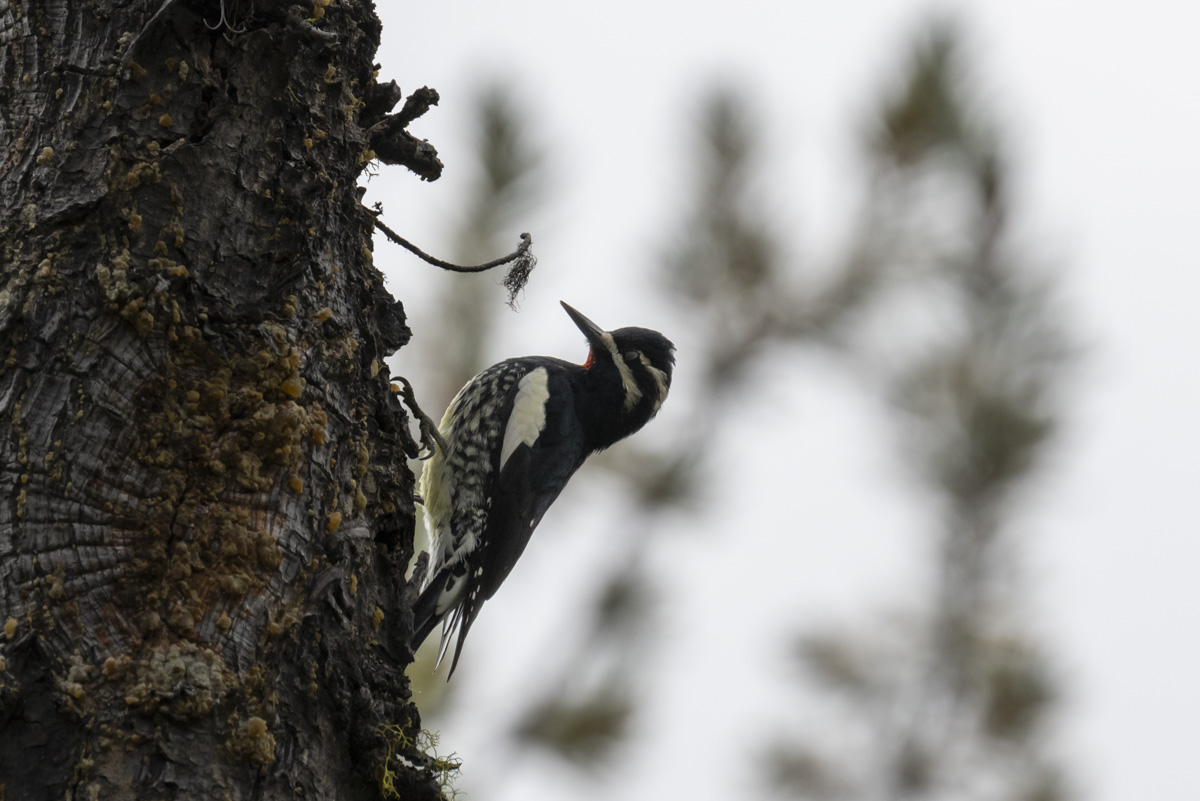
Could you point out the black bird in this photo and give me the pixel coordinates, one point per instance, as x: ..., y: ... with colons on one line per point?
x: 514, y: 435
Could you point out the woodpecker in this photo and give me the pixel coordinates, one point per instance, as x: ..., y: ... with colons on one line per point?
x: 514, y: 435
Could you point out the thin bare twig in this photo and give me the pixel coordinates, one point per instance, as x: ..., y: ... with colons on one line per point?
x: 523, y: 261
x: 522, y: 250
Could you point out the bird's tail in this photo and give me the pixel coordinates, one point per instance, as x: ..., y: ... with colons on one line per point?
x: 456, y: 619
x: 425, y: 616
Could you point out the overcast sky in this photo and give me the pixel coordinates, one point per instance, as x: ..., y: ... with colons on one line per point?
x: 1101, y: 103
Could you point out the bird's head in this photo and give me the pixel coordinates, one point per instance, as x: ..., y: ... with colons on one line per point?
x: 640, y: 359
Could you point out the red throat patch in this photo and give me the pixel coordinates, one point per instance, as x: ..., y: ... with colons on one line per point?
x: 591, y: 360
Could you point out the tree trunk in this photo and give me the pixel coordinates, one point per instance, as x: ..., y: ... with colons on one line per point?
x: 205, y: 511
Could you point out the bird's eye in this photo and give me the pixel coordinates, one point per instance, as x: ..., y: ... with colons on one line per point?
x: 631, y: 355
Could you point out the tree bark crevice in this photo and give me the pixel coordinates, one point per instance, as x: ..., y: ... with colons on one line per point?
x: 195, y: 430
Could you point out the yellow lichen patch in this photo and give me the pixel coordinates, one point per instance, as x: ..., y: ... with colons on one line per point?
x: 165, y: 120
x: 279, y: 337
x: 330, y: 72
x: 319, y: 420
x: 57, y: 591
x: 155, y: 99
x: 224, y: 621
x: 79, y: 670
x: 296, y: 484
x: 248, y: 470
x: 353, y: 584
x: 151, y: 621
x: 335, y: 521
x: 308, y: 143
x: 234, y: 586
x: 46, y: 156
x: 377, y: 618
x: 268, y: 552
x: 292, y: 387
x: 181, y: 620
x: 144, y: 173
x: 10, y: 627
x: 324, y: 314
x: 44, y: 269
x: 254, y: 743
x: 176, y: 229
x: 360, y: 501
x: 136, y: 71
x: 182, y: 681
x: 131, y: 309
x: 135, y: 221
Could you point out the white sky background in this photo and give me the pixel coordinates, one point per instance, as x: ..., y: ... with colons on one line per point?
x: 1101, y: 104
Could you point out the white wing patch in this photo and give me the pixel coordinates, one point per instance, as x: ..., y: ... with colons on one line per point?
x: 528, y: 416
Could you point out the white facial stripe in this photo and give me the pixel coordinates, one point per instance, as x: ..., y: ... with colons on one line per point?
x: 660, y: 379
x: 633, y: 393
x: 528, y: 416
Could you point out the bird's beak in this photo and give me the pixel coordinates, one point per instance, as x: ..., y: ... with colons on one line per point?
x: 590, y: 330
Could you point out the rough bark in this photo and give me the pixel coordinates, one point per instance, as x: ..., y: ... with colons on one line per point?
x: 205, y: 512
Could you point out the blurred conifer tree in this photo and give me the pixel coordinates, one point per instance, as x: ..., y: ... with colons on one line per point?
x: 952, y: 702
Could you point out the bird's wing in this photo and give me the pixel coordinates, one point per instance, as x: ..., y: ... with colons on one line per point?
x: 530, y: 480
x: 456, y: 485
x: 532, y: 475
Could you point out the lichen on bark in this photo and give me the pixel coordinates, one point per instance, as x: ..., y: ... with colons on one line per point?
x: 191, y: 330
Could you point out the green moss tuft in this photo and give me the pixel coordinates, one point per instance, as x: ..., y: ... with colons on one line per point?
x: 444, y: 769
